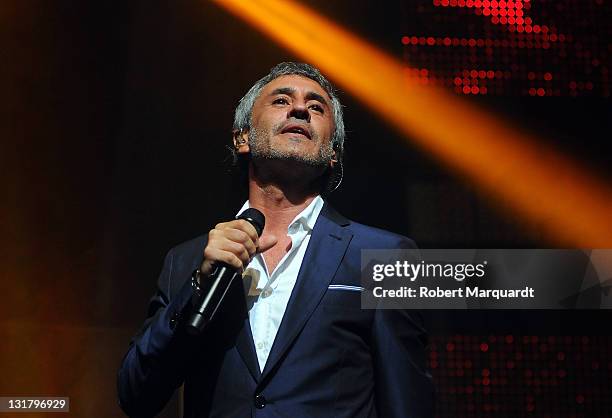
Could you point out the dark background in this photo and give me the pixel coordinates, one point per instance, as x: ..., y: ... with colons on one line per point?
x: 115, y: 118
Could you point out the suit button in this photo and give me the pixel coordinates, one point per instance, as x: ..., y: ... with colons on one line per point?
x: 260, y: 401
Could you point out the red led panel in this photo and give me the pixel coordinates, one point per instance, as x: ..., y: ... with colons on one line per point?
x: 510, y: 47
x: 522, y: 376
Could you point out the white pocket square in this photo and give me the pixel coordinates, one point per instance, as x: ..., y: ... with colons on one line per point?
x: 346, y: 287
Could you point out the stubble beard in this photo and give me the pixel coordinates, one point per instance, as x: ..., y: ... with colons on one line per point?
x: 261, y: 149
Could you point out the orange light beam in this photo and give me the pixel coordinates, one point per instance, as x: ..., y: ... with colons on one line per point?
x: 536, y: 181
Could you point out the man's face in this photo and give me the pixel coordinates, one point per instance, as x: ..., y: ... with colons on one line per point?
x: 292, y: 120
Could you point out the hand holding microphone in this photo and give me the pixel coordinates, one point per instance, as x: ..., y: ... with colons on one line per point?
x: 230, y: 247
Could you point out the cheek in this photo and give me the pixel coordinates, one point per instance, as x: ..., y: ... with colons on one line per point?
x: 327, y: 129
x: 268, y: 122
x: 257, y: 122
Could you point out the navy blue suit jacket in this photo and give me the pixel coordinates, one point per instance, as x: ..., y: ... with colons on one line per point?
x: 330, y: 358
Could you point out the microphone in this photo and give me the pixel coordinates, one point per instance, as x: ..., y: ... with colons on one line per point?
x: 216, y: 286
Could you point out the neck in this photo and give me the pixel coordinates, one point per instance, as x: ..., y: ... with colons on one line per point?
x: 280, y: 203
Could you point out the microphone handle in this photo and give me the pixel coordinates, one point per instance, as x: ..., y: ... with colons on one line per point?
x: 215, y: 289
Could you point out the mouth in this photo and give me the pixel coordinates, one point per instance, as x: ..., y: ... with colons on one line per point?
x: 296, y: 129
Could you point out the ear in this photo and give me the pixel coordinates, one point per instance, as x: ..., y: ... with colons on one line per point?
x: 333, y: 161
x: 240, y: 137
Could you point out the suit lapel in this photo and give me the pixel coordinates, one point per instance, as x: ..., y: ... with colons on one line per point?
x: 246, y: 349
x: 326, y: 248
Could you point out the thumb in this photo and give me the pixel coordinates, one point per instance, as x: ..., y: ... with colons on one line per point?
x: 266, y: 242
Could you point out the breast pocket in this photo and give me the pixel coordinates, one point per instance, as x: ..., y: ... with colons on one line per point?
x: 342, y: 318
x: 342, y: 296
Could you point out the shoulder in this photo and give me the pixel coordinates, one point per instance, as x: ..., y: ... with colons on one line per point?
x: 379, y: 238
x: 367, y: 236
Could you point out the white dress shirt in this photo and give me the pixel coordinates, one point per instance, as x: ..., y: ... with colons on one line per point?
x: 268, y: 294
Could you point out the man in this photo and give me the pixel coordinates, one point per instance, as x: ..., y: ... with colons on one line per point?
x: 301, y: 346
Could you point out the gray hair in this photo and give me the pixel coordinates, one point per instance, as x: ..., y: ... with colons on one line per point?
x: 242, y: 116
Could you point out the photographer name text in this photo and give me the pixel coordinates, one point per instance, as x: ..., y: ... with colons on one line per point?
x: 467, y: 292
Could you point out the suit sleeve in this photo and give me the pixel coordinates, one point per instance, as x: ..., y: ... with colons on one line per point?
x: 403, y: 385
x: 155, y: 364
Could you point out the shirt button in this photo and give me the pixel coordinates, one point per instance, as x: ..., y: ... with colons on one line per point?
x: 260, y: 345
x: 260, y: 401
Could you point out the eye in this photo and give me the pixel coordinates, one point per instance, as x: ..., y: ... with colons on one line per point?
x: 280, y: 100
x: 316, y: 108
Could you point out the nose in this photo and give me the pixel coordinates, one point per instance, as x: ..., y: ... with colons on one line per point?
x: 299, y: 111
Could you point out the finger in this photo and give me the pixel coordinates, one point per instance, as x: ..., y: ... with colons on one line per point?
x: 221, y: 239
x: 242, y: 225
x: 236, y: 248
x: 241, y: 252
x: 227, y: 257
x: 240, y: 237
x: 266, y: 242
